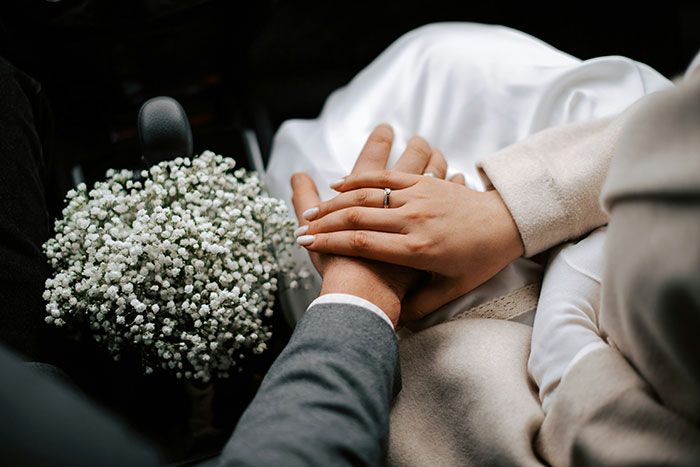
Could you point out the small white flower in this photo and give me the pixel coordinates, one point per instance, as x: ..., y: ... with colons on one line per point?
x: 192, y: 239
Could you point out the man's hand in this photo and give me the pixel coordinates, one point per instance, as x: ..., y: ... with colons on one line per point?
x: 379, y: 283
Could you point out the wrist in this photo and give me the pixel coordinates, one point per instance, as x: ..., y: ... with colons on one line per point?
x: 508, y: 232
x: 355, y: 279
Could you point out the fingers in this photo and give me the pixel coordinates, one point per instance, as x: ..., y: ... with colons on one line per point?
x: 355, y: 218
x: 376, y: 179
x: 375, y: 153
x: 364, y: 197
x: 437, y: 165
x: 459, y: 179
x: 415, y: 157
x: 380, y: 246
x: 304, y: 196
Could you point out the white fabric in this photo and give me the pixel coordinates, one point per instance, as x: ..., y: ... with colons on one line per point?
x: 347, y: 299
x: 566, y: 321
x: 469, y: 89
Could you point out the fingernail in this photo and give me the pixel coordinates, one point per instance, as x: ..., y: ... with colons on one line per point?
x: 337, y: 183
x: 305, y: 240
x: 309, y: 214
x: 301, y: 230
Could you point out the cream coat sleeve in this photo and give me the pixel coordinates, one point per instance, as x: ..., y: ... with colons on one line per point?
x: 552, y: 180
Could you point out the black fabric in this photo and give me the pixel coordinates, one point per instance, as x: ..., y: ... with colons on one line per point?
x: 24, y: 221
x: 44, y: 422
x: 326, y: 399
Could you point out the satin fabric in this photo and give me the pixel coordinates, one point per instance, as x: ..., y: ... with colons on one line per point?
x: 470, y: 90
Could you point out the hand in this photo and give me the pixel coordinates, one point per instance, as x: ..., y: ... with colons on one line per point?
x: 464, y: 237
x: 382, y: 284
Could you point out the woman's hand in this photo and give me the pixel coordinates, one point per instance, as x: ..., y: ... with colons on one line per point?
x: 382, y: 284
x: 464, y: 237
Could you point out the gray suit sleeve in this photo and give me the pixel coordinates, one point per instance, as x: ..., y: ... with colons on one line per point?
x: 326, y: 399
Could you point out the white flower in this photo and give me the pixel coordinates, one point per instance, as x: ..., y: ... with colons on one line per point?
x: 191, y: 239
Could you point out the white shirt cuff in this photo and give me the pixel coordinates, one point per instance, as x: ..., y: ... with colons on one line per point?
x: 346, y: 299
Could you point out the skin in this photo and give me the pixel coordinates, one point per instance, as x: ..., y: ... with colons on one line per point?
x: 381, y: 283
x: 460, y: 236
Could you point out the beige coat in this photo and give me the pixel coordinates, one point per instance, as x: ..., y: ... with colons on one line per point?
x: 467, y: 398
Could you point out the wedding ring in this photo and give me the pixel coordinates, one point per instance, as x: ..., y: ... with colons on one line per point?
x: 430, y: 174
x: 387, y: 192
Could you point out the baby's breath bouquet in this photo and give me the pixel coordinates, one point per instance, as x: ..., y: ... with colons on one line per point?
x: 177, y: 266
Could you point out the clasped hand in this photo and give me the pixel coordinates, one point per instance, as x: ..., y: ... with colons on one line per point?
x: 461, y: 236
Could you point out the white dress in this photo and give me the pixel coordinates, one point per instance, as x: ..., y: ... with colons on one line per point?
x: 470, y: 90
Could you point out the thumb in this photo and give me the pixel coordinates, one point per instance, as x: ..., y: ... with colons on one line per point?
x: 428, y: 298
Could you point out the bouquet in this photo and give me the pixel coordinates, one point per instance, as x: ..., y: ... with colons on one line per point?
x: 177, y: 265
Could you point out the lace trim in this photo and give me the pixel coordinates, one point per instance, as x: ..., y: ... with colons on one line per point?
x: 506, y: 306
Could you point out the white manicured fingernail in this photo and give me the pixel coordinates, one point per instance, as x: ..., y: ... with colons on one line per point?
x: 305, y: 240
x: 301, y: 230
x: 337, y: 183
x: 309, y: 214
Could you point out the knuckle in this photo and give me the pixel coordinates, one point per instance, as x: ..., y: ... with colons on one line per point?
x: 385, y: 178
x: 362, y: 197
x: 419, y: 246
x: 359, y: 240
x: 352, y: 216
x: 413, y: 216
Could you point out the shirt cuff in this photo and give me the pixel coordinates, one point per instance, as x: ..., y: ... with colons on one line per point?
x: 346, y: 299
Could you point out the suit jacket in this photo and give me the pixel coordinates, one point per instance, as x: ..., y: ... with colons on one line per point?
x: 325, y: 401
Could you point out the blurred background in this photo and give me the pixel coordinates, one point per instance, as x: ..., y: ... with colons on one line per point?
x: 237, y: 66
